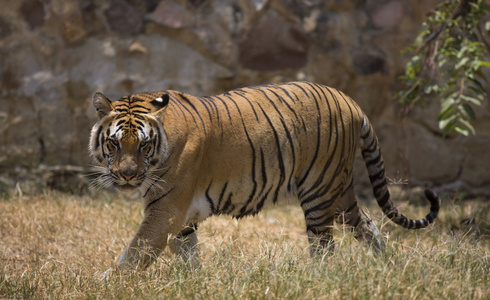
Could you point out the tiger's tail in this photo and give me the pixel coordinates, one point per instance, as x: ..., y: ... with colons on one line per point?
x: 376, y: 170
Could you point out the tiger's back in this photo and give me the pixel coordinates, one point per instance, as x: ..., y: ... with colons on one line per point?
x: 243, y: 150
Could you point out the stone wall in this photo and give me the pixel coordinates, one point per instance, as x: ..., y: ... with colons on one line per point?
x: 54, y: 54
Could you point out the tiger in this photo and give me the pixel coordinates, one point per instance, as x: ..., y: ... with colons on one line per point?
x: 194, y: 157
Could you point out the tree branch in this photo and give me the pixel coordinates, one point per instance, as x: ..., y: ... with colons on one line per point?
x: 461, y: 9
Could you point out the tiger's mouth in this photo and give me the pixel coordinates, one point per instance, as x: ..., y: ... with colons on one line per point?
x: 127, y: 186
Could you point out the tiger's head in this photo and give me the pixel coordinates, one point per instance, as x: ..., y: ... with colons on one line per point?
x: 128, y: 140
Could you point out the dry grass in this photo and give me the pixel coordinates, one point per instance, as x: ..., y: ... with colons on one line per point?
x: 56, y: 246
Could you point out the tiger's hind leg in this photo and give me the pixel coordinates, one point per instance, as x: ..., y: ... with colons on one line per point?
x: 321, y: 242
x: 363, y: 227
x: 185, y: 245
x: 319, y: 225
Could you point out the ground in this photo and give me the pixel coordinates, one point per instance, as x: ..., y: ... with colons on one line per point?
x: 55, y: 245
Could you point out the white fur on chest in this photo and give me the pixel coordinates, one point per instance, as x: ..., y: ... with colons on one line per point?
x: 198, y: 211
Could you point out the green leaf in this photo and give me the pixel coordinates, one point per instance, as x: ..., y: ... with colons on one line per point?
x: 428, y: 89
x: 475, y: 91
x: 449, y: 123
x: 485, y: 63
x: 461, y: 62
x: 481, y: 75
x: 456, y: 67
x: 442, y: 62
x: 478, y: 85
x: 468, y: 125
x: 460, y: 129
x: 473, y: 100
x: 446, y: 104
x: 469, y: 112
x: 462, y: 51
x: 449, y: 128
x: 446, y: 115
x: 450, y: 94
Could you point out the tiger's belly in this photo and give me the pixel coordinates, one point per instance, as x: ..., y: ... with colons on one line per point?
x: 237, y: 202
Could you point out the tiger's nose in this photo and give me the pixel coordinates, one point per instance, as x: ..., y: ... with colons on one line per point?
x: 128, y: 174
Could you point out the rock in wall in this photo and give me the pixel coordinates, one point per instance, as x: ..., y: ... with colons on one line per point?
x: 55, y: 54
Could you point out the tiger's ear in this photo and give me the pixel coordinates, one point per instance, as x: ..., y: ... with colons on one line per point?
x: 160, y: 103
x: 102, y: 105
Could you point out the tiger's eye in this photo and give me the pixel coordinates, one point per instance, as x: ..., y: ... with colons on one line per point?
x: 142, y: 144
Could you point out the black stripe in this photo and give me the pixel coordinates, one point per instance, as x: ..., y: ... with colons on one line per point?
x: 178, y: 105
x: 263, y: 171
x: 221, y: 197
x: 353, y: 138
x: 135, y: 111
x: 280, y: 98
x: 158, y: 139
x: 210, y: 200
x: 322, y: 205
x: 322, y: 190
x: 187, y: 231
x: 374, y: 161
x: 391, y: 214
x: 346, y: 189
x: 142, y: 124
x: 368, y: 132
x: 327, y: 165
x: 212, y: 102
x: 378, y: 187
x: 285, y: 102
x: 376, y: 176
x: 259, y: 205
x: 155, y: 181
x: 177, y: 102
x: 318, y: 140
x: 239, y: 93
x: 254, y: 181
x: 137, y: 104
x: 384, y: 199
x: 370, y: 148
x: 418, y: 224
x: 122, y: 106
x: 204, y: 102
x: 326, y: 220
x: 298, y: 86
x: 288, y: 136
x: 101, y: 141
x: 429, y: 217
x: 279, y: 156
x: 317, y: 231
x: 348, y: 210
x: 97, y: 143
x: 228, y: 207
x: 158, y: 199
x: 225, y: 105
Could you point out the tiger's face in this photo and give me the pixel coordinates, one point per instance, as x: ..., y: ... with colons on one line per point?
x: 128, y: 141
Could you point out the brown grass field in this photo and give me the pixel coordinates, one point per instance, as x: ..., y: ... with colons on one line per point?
x: 56, y: 245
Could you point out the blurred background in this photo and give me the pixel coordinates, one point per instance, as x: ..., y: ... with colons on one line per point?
x: 55, y: 54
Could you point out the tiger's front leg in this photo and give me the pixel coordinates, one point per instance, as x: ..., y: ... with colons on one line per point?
x: 160, y: 222
x: 185, y: 245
